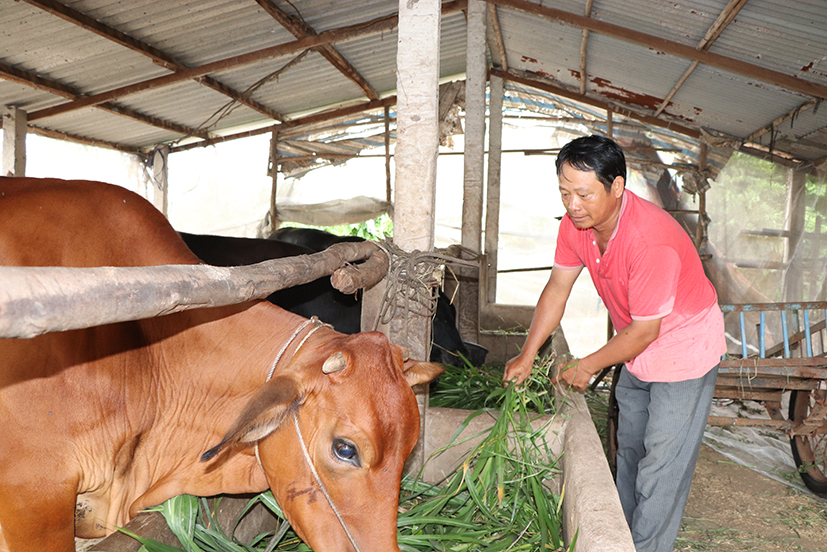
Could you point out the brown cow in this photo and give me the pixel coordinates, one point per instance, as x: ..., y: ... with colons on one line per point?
x: 101, y: 423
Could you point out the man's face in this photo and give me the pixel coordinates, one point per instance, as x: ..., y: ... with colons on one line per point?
x: 586, y: 200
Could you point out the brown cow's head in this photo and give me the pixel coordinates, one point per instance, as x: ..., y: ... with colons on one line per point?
x: 352, y: 401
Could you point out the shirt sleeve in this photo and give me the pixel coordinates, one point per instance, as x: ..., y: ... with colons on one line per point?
x: 565, y: 255
x: 653, y: 283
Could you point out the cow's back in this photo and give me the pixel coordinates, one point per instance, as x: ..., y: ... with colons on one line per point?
x: 52, y: 222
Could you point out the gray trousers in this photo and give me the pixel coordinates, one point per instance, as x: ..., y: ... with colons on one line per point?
x: 659, y: 434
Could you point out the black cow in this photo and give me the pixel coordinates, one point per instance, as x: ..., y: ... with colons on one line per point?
x: 319, y: 297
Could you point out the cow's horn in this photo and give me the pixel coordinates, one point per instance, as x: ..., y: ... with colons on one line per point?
x: 335, y: 363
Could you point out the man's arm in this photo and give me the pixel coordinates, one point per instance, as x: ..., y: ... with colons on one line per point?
x: 547, y: 316
x: 625, y: 345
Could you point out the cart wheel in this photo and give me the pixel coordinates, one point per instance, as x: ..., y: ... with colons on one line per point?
x: 611, y: 422
x: 809, y: 451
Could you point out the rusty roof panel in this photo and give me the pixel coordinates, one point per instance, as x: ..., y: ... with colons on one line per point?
x: 789, y: 36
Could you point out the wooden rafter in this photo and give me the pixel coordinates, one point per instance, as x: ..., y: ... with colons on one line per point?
x: 328, y: 37
x: 157, y: 56
x: 48, y: 133
x: 786, y: 117
x: 19, y: 76
x: 670, y: 47
x: 584, y: 43
x: 727, y: 16
x: 498, y: 35
x: 293, y: 123
x: 300, y: 29
x: 542, y: 84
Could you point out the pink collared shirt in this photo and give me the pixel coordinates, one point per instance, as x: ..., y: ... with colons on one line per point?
x: 651, y: 270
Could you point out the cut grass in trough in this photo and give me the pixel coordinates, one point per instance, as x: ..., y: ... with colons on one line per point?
x: 495, y: 501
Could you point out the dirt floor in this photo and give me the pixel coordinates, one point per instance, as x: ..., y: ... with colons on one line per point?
x: 732, y: 508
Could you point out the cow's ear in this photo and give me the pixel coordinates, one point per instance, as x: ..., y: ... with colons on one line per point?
x: 262, y: 415
x: 417, y: 372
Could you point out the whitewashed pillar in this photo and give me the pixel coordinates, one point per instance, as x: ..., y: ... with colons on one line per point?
x: 417, y: 146
x: 492, y: 204
x: 160, y: 179
x: 14, y: 141
x: 274, y: 180
x: 476, y: 69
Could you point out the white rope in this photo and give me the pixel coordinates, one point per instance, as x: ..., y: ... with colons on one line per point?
x: 321, y: 485
x: 318, y: 325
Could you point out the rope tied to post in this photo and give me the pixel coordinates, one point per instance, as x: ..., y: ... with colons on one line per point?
x: 412, y: 284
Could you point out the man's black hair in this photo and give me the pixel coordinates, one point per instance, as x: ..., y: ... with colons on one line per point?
x: 594, y: 153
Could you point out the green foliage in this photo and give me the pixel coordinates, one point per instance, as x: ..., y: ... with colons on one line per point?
x: 377, y: 229
x: 497, y: 500
x: 472, y: 388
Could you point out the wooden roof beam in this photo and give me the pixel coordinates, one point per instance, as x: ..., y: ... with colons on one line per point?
x: 584, y: 43
x: 670, y: 47
x: 9, y: 73
x: 315, y: 118
x: 498, y: 35
x: 727, y: 16
x: 300, y: 29
x: 158, y: 57
x: 40, y: 131
x: 541, y: 84
x: 328, y: 37
x: 786, y: 117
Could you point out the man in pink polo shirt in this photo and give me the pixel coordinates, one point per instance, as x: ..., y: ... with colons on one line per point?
x: 669, y: 332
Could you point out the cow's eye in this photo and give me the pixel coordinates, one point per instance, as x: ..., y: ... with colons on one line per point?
x: 346, y: 452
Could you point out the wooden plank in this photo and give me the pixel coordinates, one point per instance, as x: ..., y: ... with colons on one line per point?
x: 725, y: 421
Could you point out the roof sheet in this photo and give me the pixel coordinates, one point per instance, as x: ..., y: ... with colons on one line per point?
x: 631, y: 63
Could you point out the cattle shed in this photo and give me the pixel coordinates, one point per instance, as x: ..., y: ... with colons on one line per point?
x: 717, y: 104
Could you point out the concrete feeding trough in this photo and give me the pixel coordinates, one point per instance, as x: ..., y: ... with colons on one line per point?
x: 591, y: 508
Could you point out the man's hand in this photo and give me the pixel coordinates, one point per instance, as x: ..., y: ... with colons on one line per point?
x: 575, y: 374
x: 518, y: 369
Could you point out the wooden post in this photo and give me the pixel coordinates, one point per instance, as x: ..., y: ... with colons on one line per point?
x: 699, y: 232
x: 492, y: 207
x: 388, y: 191
x: 14, y: 142
x: 274, y: 178
x: 794, y: 225
x: 417, y: 146
x: 160, y: 179
x: 476, y: 69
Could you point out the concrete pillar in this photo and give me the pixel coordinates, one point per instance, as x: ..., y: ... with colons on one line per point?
x: 14, y: 142
x: 274, y: 177
x: 417, y: 146
x: 492, y: 204
x: 160, y: 179
x: 476, y: 69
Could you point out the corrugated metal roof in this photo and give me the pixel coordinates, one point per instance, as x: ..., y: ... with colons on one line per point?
x: 625, y: 70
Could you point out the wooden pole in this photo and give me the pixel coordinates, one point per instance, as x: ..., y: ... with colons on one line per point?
x: 14, y: 142
x: 38, y: 300
x: 476, y: 71
x: 388, y: 192
x: 492, y: 206
x: 274, y: 179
